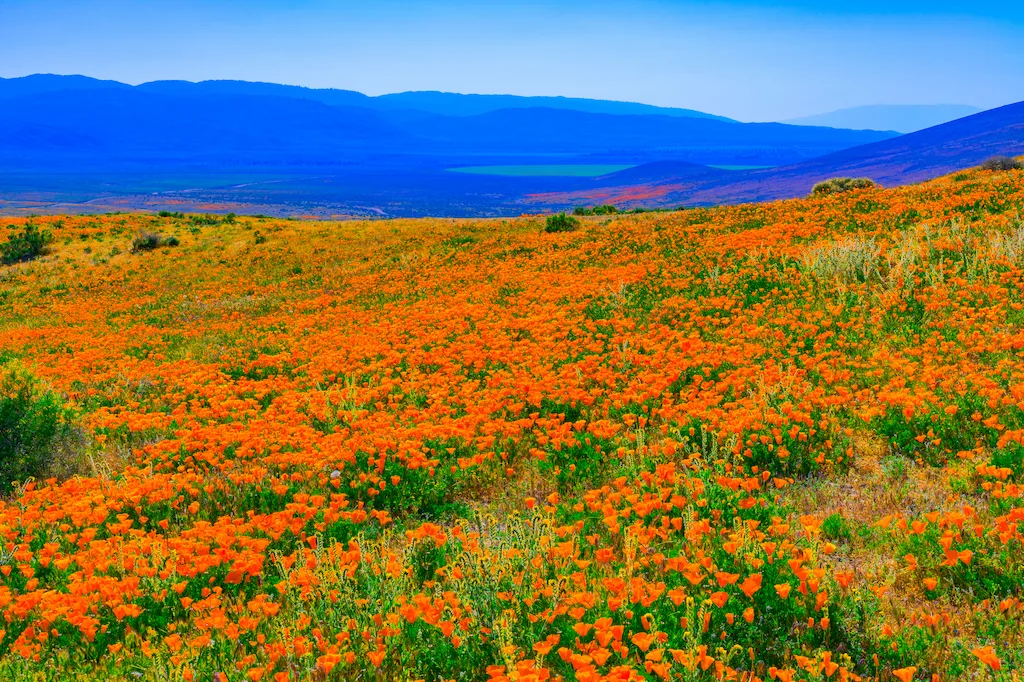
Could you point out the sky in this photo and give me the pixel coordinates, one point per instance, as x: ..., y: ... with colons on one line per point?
x: 749, y: 60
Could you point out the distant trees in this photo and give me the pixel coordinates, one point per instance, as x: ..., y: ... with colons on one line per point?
x: 840, y: 185
x: 1002, y: 163
x: 604, y: 209
x: 560, y: 222
x: 26, y: 245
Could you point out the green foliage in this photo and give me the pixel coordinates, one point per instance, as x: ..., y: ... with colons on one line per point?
x: 26, y: 245
x: 834, y: 527
x: 1002, y: 163
x: 603, y: 209
x: 37, y: 435
x: 148, y: 241
x: 204, y: 220
x: 169, y: 214
x: 560, y: 222
x: 840, y: 185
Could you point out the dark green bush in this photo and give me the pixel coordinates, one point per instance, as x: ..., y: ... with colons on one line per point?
x: 604, y: 209
x: 147, y: 241
x: 560, y: 222
x: 1002, y: 163
x: 840, y: 185
x: 26, y: 245
x: 37, y: 433
x: 204, y: 220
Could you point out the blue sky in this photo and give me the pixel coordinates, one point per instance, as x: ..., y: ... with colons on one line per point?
x: 745, y: 59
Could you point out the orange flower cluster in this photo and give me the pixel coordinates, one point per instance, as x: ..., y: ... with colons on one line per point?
x: 440, y: 449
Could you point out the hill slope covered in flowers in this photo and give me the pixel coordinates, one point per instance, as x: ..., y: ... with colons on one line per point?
x: 778, y: 441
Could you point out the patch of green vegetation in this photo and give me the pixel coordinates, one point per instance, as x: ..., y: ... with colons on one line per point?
x: 840, y: 185
x: 560, y: 222
x: 26, y: 245
x: 38, y: 437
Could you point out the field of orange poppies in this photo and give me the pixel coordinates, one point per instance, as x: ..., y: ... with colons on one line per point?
x: 767, y: 442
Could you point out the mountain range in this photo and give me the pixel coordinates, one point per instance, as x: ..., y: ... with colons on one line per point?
x: 73, y: 141
x: 107, y: 126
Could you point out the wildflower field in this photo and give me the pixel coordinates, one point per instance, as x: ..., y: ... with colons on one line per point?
x: 767, y: 442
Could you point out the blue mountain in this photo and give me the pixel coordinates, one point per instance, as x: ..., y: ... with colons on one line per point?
x: 74, y: 122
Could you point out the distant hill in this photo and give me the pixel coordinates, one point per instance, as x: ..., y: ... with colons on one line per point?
x: 901, y: 118
x: 442, y: 103
x: 11, y: 88
x: 906, y: 159
x: 77, y: 123
x: 107, y: 126
x: 451, y: 104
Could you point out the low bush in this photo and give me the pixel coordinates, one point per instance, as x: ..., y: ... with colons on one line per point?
x: 38, y: 437
x: 26, y: 245
x: 148, y: 241
x: 604, y: 209
x: 840, y: 185
x: 560, y: 222
x: 1002, y: 163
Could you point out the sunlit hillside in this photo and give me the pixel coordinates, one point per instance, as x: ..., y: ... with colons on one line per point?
x: 765, y: 442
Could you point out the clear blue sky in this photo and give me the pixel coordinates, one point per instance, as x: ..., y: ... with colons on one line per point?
x: 745, y: 59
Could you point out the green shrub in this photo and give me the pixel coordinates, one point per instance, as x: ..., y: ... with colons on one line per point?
x: 37, y: 434
x: 204, y: 220
x: 834, y: 527
x: 603, y: 209
x: 147, y: 241
x: 840, y: 185
x: 560, y: 222
x: 26, y: 245
x: 1002, y: 163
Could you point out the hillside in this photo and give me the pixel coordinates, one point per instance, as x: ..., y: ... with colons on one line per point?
x: 780, y: 441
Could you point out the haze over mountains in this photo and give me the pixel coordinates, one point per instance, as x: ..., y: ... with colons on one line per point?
x: 902, y: 118
x: 72, y: 141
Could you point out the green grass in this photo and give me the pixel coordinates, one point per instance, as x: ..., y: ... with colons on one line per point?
x: 581, y: 170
